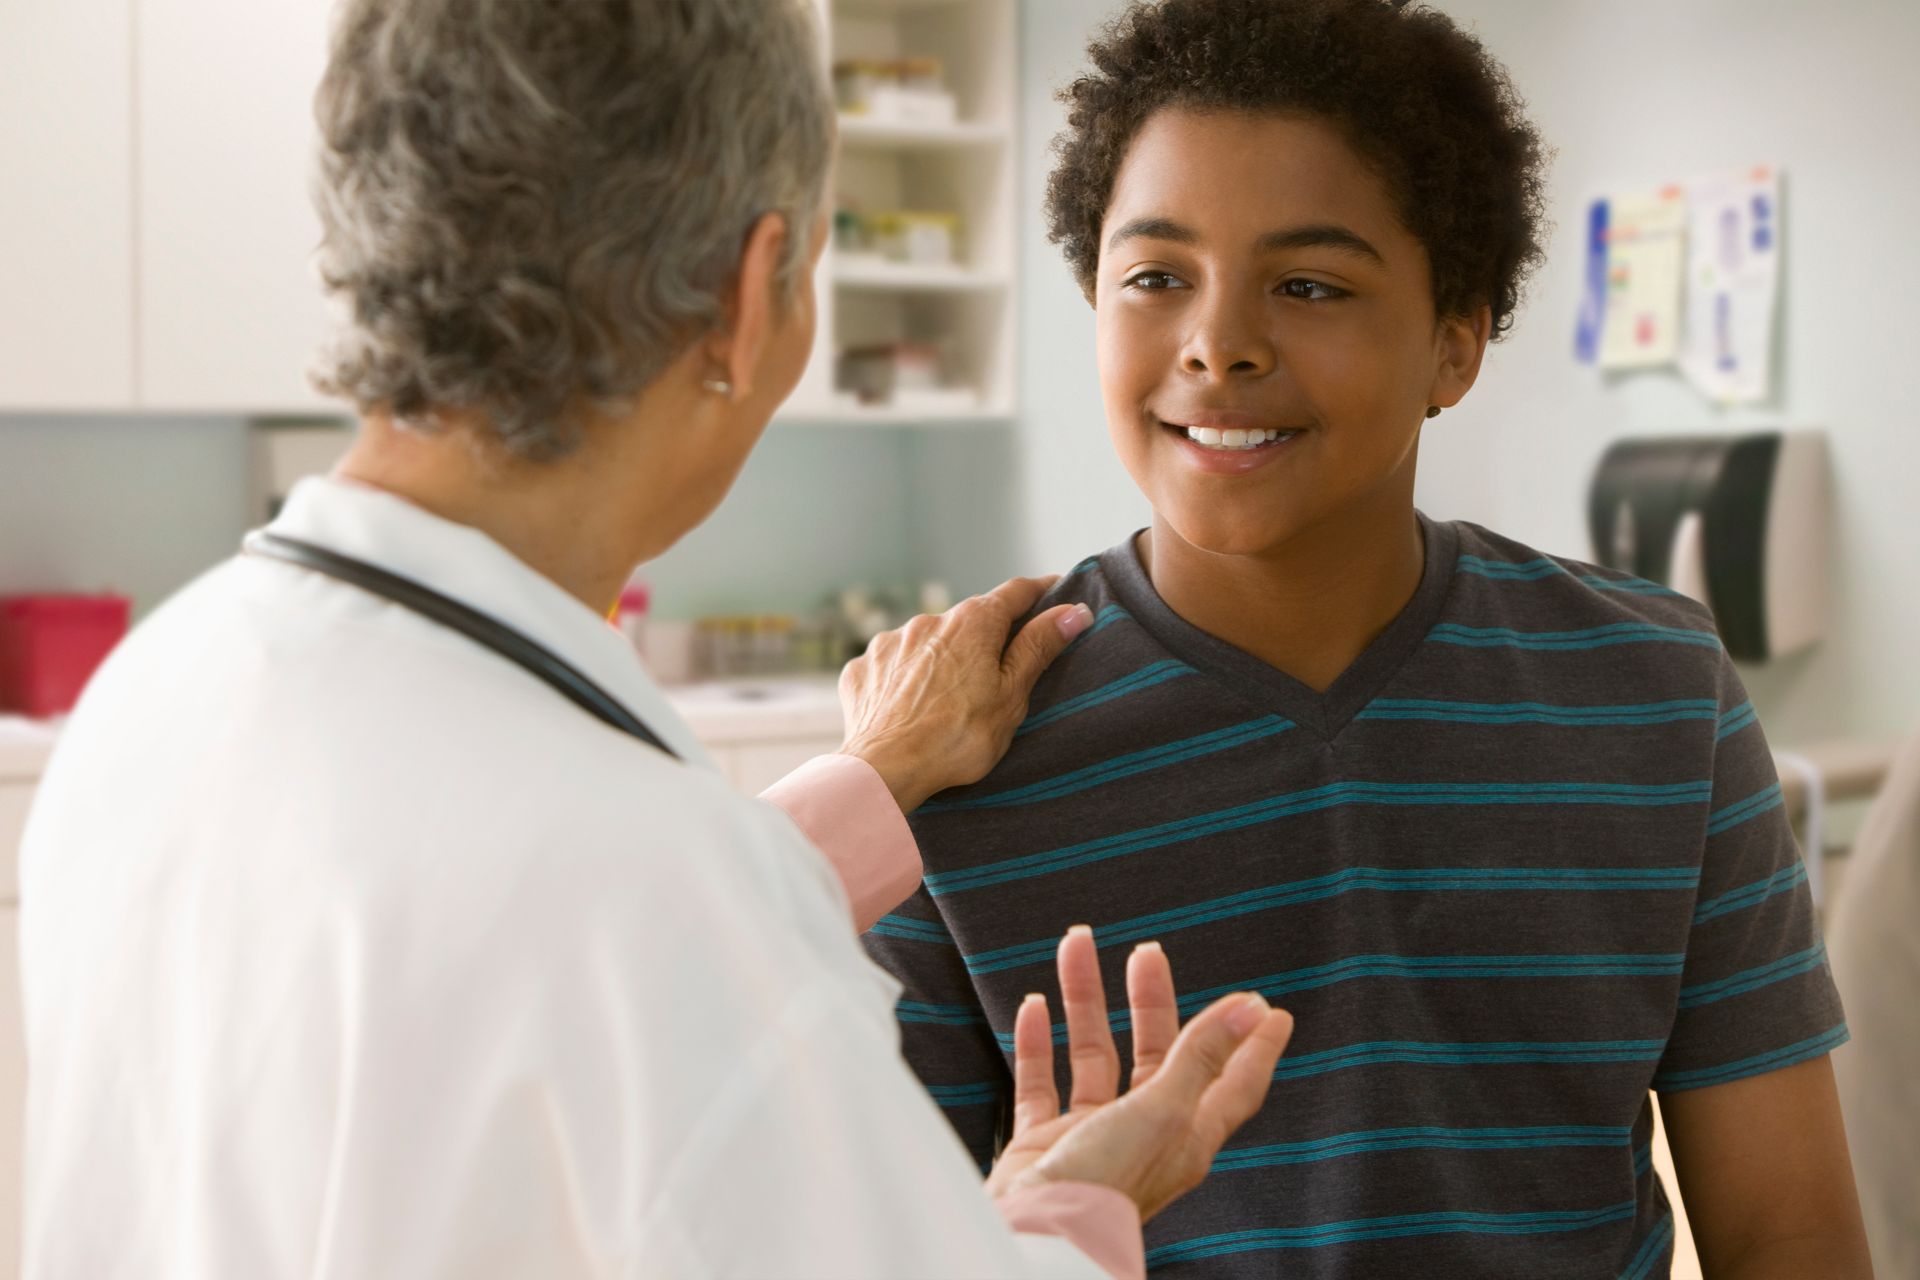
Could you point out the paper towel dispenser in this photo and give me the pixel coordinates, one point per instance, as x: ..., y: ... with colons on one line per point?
x: 1739, y: 523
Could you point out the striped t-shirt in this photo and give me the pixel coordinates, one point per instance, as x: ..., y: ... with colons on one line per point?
x: 1524, y: 861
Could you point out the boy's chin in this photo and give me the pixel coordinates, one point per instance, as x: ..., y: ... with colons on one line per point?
x: 1225, y: 533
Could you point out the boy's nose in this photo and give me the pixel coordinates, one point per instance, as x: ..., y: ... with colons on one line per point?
x: 1228, y: 341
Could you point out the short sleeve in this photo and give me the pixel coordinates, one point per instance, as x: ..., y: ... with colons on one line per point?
x: 1756, y: 992
x: 944, y: 1033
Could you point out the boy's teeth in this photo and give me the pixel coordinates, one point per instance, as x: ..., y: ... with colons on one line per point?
x: 1233, y: 438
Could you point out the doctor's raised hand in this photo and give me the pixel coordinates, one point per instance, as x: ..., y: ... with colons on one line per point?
x: 1190, y: 1088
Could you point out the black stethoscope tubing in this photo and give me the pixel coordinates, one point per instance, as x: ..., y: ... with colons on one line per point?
x: 490, y: 633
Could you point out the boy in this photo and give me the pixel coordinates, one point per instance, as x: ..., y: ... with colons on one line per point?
x: 1498, y: 827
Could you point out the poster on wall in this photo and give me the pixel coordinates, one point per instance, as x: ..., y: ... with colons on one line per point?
x: 1630, y: 317
x: 1733, y: 253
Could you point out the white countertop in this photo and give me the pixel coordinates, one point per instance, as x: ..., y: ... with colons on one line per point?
x: 722, y: 713
x: 773, y: 709
x: 24, y: 746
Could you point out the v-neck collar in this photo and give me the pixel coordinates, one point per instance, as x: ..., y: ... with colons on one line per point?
x: 1323, y: 713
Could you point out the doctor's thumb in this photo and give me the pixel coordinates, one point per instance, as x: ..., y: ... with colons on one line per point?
x: 1042, y: 640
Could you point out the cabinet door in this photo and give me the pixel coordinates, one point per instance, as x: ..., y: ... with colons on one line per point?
x: 230, y: 312
x: 16, y: 797
x: 66, y: 204
x: 13, y: 1089
x: 758, y: 765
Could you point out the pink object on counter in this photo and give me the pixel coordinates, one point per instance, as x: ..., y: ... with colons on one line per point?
x: 50, y: 646
x: 635, y: 597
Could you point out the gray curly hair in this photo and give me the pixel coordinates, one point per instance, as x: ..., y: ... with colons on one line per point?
x: 531, y: 207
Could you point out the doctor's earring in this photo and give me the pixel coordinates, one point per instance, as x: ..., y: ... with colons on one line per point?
x: 719, y: 386
x: 1433, y: 411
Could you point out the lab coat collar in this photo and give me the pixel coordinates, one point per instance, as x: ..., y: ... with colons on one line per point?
x: 460, y: 561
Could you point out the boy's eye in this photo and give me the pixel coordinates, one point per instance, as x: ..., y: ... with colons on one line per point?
x: 1311, y: 290
x: 1153, y: 281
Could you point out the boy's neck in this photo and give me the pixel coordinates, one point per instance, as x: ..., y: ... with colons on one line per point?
x: 1308, y: 607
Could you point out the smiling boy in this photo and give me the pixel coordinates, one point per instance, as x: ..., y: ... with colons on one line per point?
x: 1498, y: 827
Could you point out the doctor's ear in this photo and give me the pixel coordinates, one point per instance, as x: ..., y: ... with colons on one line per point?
x: 1460, y: 345
x: 750, y: 312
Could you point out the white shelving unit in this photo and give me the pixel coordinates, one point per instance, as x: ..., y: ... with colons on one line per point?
x: 966, y: 168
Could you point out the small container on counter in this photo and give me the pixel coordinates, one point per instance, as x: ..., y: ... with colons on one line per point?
x: 900, y: 90
x: 630, y: 614
x: 877, y: 374
x: 916, y: 236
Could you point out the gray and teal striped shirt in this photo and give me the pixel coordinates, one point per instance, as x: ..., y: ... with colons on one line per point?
x: 1524, y: 861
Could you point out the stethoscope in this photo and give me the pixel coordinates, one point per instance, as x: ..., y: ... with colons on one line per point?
x: 515, y: 647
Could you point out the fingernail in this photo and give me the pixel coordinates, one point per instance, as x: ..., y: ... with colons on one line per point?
x: 1246, y: 1015
x: 1148, y: 946
x: 1081, y: 928
x: 1072, y: 624
x: 1031, y: 996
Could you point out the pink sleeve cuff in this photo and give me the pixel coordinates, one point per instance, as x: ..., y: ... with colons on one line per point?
x: 841, y: 805
x: 1098, y: 1221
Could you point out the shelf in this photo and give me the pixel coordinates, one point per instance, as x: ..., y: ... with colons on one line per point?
x: 872, y: 134
x: 909, y: 278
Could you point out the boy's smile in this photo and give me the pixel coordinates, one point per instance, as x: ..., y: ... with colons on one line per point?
x: 1268, y: 342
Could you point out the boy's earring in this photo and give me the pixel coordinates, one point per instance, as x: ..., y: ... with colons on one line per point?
x: 1433, y: 411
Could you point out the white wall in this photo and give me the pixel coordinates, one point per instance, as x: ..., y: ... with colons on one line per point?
x: 1078, y: 499
x: 1633, y: 93
x: 137, y: 505
x: 140, y: 504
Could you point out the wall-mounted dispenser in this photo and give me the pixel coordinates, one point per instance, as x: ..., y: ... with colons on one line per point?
x: 1740, y: 523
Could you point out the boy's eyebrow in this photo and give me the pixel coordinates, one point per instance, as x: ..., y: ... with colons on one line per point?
x: 1320, y: 236
x: 1316, y: 236
x: 1153, y: 229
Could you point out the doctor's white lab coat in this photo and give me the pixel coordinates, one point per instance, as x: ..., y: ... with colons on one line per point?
x: 351, y: 950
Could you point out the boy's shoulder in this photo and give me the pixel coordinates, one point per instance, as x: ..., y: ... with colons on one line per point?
x: 1501, y: 582
x: 1104, y: 584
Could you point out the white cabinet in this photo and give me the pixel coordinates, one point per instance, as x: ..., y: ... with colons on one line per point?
x: 156, y: 233
x: 66, y: 204
x: 23, y: 753
x: 13, y: 1090
x: 15, y: 795
x: 230, y: 311
x: 759, y: 731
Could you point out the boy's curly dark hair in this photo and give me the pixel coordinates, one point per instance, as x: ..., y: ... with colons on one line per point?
x: 1420, y: 100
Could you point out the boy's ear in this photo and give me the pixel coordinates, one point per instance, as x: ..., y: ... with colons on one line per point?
x: 1460, y: 344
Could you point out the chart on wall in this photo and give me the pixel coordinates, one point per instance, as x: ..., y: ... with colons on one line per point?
x: 1687, y: 275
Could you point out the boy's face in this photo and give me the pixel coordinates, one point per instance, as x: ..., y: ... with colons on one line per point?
x: 1254, y: 277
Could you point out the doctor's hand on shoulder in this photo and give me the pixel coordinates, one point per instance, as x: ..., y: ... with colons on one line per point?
x: 934, y: 704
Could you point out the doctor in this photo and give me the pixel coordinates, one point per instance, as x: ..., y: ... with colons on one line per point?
x: 365, y: 937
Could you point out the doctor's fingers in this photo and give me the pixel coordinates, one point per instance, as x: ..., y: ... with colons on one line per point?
x: 1090, y: 1053
x: 1014, y: 597
x: 1222, y: 1063
x: 1036, y: 1099
x: 1154, y: 1009
x: 1041, y: 641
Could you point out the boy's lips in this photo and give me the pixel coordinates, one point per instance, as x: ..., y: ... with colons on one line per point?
x: 1212, y: 459
x: 1224, y: 420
